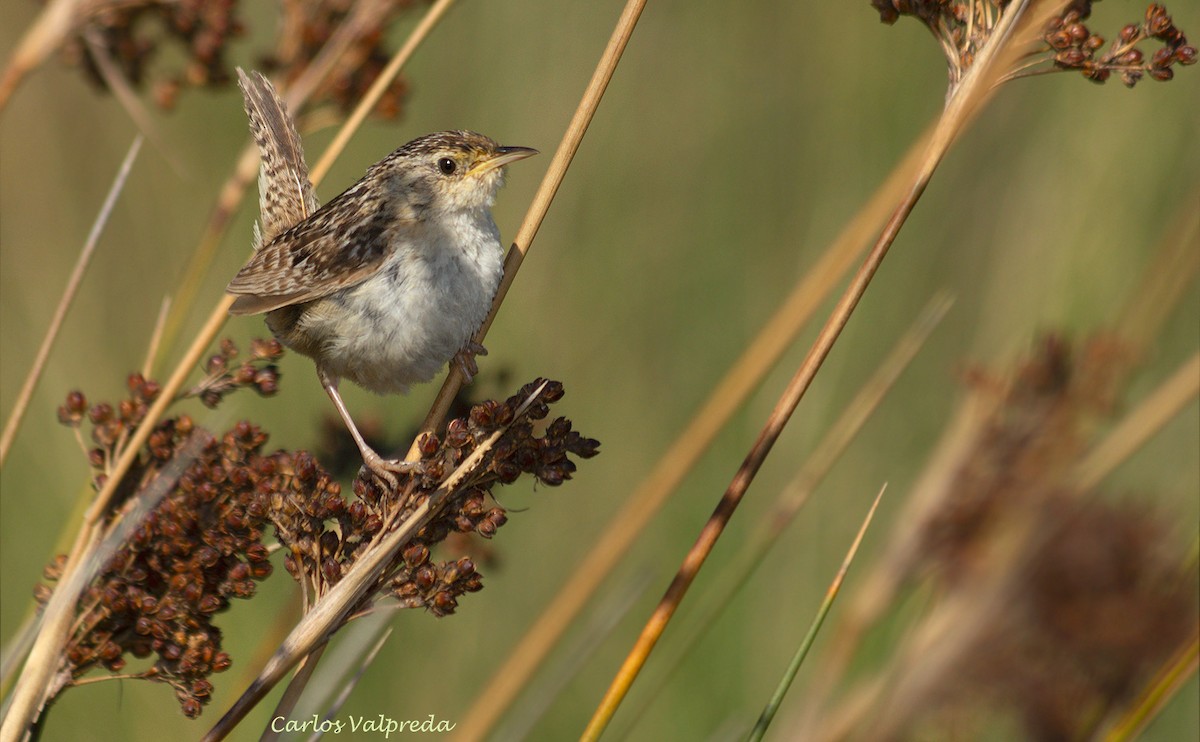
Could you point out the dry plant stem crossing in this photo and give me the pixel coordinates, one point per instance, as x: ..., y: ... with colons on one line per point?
x: 794, y: 496
x: 975, y: 88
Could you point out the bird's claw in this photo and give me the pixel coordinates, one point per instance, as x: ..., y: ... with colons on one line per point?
x: 386, y: 469
x: 464, y: 360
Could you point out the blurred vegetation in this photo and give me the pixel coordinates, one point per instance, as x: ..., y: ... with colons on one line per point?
x: 733, y: 144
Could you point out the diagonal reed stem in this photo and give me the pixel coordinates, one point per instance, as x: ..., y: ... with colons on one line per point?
x: 975, y: 89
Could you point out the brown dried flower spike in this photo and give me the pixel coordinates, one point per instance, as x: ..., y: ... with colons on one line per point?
x: 962, y: 27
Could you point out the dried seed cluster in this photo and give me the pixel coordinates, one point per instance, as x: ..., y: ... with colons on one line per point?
x: 222, y: 376
x: 1076, y: 48
x: 307, y: 27
x: 133, y: 35
x: 130, y: 34
x: 962, y: 27
x: 200, y: 547
x: 111, y: 426
x: 320, y: 552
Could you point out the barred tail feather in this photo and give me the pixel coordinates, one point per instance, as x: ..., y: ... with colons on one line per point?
x: 285, y: 193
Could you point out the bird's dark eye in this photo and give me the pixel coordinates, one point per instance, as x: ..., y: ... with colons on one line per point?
x: 447, y: 165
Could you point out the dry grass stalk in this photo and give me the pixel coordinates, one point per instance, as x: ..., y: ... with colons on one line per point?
x: 13, y: 424
x: 555, y: 172
x: 648, y: 497
x: 1015, y: 30
x: 1036, y: 573
x: 1160, y: 289
x: 795, y: 495
x: 1140, y: 425
x: 40, y: 40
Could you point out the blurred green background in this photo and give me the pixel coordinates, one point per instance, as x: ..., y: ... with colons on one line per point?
x: 734, y: 143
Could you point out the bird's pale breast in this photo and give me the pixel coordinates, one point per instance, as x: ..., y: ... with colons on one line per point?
x: 402, y: 324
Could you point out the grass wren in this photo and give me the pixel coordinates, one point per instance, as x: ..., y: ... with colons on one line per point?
x: 387, y: 282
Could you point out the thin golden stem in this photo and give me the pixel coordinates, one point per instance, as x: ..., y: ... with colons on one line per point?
x: 965, y: 102
x: 1138, y: 426
x: 64, y: 303
x: 831, y: 593
x: 795, y: 495
x: 542, y: 199
x: 39, y: 41
x: 743, y: 377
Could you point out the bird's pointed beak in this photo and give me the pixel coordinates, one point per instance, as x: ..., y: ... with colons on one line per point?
x: 503, y: 156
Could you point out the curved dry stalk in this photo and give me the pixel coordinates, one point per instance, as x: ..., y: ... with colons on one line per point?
x: 968, y: 97
x: 64, y: 303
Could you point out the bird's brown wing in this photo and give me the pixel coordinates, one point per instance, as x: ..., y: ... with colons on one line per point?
x: 339, y: 246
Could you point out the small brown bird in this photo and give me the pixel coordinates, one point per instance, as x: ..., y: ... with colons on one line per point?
x: 388, y: 281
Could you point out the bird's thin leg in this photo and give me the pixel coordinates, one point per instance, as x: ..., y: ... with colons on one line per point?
x: 376, y: 463
x: 465, y: 359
